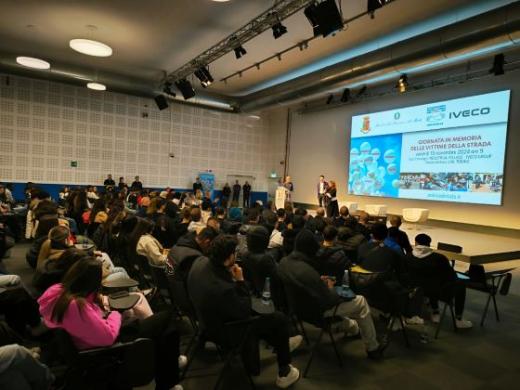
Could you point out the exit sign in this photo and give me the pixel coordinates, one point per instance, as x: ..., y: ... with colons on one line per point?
x: 74, y: 164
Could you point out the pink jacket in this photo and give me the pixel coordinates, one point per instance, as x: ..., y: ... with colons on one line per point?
x: 86, y: 326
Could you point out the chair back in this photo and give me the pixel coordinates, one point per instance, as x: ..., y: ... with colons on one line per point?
x: 160, y: 280
x: 301, y: 304
x: 443, y: 246
x: 506, y: 284
x: 477, y: 274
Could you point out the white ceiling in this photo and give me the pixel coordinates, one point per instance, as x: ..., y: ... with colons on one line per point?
x: 152, y: 37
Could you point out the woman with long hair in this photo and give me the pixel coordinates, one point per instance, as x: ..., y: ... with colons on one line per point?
x: 77, y: 306
x: 332, y: 207
x: 147, y: 245
x: 98, y: 215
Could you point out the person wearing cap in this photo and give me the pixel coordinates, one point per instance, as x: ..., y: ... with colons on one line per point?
x: 296, y: 271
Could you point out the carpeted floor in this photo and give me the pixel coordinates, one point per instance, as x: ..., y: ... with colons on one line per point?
x: 480, y: 358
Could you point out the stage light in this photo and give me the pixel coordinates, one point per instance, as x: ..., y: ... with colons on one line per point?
x: 402, y: 83
x: 330, y: 99
x: 90, y: 47
x: 324, y: 17
x: 345, y: 97
x: 204, y: 76
x: 32, y: 62
x: 278, y: 30
x: 186, y: 88
x: 372, y: 5
x: 168, y: 89
x: 498, y: 65
x: 96, y: 86
x: 362, y: 91
x: 161, y: 102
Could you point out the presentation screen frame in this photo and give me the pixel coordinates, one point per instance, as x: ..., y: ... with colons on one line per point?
x: 438, y: 139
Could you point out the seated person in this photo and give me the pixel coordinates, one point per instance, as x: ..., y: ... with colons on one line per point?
x: 392, y: 292
x: 434, y: 274
x: 188, y: 249
x: 350, y: 241
x: 146, y: 244
x: 164, y: 230
x: 343, y: 218
x: 252, y: 220
x: 282, y: 219
x: 362, y: 224
x: 289, y: 234
x: 296, y: 272
x: 185, y: 220
x: 59, y: 239
x: 77, y: 306
x: 21, y: 370
x: 258, y: 263
x: 392, y: 241
x: 196, y: 220
x: 331, y: 258
x: 219, y: 295
x: 400, y: 236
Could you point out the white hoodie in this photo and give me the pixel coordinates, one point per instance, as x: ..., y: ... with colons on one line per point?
x: 422, y: 251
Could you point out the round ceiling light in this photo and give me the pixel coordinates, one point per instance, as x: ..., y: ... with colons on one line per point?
x: 91, y: 48
x: 97, y: 86
x: 32, y: 62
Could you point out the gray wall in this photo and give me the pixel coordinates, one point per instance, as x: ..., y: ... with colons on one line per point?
x: 320, y: 143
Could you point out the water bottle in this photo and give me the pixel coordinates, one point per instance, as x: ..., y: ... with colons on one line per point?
x: 266, y: 293
x: 85, y: 243
x: 346, y: 281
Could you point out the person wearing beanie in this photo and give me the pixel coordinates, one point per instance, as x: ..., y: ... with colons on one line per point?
x: 318, y: 291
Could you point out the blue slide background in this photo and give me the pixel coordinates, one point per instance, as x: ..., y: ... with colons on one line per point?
x: 383, y: 143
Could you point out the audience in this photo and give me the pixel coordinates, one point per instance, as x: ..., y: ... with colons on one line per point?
x: 147, y: 245
x: 295, y: 270
x: 401, y: 238
x: 331, y: 258
x: 218, y: 291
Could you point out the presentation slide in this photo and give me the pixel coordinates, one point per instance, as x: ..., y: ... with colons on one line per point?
x: 452, y: 151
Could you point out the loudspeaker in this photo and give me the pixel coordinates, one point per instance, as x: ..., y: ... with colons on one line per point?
x: 161, y: 102
x: 186, y: 88
x: 324, y: 17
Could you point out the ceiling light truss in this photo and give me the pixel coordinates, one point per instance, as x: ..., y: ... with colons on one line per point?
x: 281, y: 10
x: 300, y: 45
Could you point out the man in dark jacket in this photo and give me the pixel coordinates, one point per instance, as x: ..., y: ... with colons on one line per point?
x: 318, y: 292
x: 236, y: 191
x: 186, y: 251
x: 246, y: 188
x: 331, y: 258
x: 219, y: 294
x: 226, y: 193
x: 344, y: 217
x: 350, y: 241
x: 197, y: 186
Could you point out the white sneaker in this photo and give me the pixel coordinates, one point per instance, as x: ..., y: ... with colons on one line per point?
x: 463, y: 324
x: 178, y: 387
x: 183, y: 360
x: 396, y: 325
x: 284, y: 382
x: 294, y: 342
x: 436, y: 318
x: 415, y: 320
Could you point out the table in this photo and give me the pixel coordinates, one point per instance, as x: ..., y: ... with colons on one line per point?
x: 484, y: 257
x: 260, y: 307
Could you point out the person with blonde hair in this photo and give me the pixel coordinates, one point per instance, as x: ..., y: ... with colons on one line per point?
x: 332, y: 207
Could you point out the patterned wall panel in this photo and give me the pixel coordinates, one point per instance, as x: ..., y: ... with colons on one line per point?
x: 46, y: 125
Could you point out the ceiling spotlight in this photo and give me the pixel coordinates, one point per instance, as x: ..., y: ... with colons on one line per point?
x: 330, y: 99
x: 324, y: 17
x: 361, y: 91
x: 372, y: 5
x: 402, y: 83
x: 278, y: 30
x: 32, y: 62
x: 498, y: 65
x: 239, y: 51
x: 186, y: 88
x: 345, y: 97
x: 204, y: 76
x: 96, y: 86
x: 91, y: 48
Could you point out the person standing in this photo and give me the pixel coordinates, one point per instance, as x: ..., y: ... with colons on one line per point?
x: 226, y: 193
x: 322, y: 189
x: 236, y: 191
x: 136, y: 185
x: 109, y: 182
x: 332, y: 207
x: 197, y: 185
x: 290, y: 188
x: 121, y: 185
x: 246, y: 188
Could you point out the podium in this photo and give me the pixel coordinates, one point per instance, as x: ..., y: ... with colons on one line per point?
x: 280, y: 197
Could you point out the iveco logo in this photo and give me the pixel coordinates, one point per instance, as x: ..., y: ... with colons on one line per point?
x: 473, y: 112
